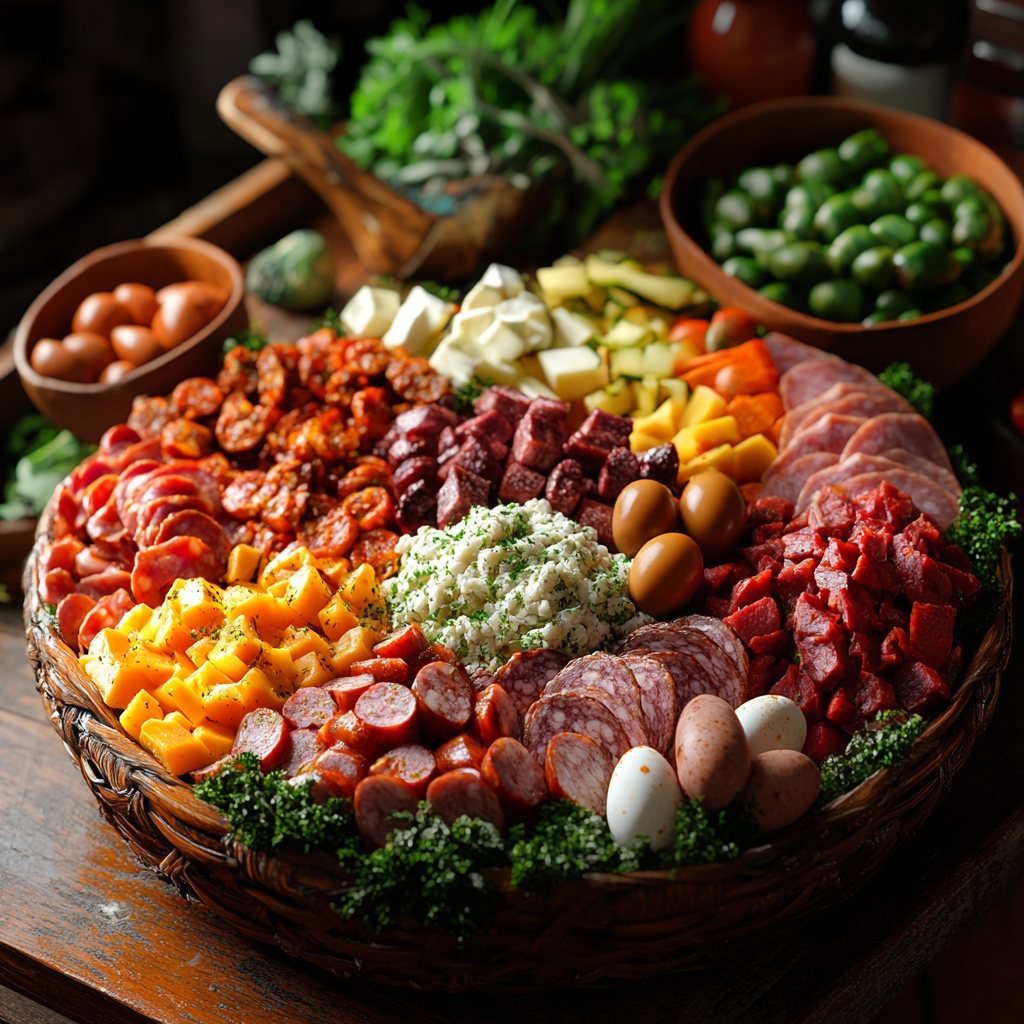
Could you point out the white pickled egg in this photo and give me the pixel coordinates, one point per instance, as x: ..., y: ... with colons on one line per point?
x: 643, y: 794
x: 772, y: 723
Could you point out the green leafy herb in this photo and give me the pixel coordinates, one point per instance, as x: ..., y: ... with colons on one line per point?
x: 465, y: 396
x: 49, y: 615
x: 250, y: 339
x: 44, y: 457
x: 565, y: 843
x: 919, y: 393
x: 966, y: 470
x: 330, y: 318
x: 701, y: 836
x: 987, y: 522
x: 881, y: 745
x: 267, y: 813
x: 442, y: 291
x: 429, y: 871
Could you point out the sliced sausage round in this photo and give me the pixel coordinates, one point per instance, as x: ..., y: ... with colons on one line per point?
x: 513, y: 773
x: 414, y: 765
x: 377, y: 798
x: 345, y: 692
x: 572, y: 712
x: 309, y: 708
x: 345, y: 728
x: 263, y: 732
x: 304, y: 748
x: 71, y: 613
x: 388, y: 713
x: 462, y: 751
x: 384, y: 670
x: 578, y: 769
x: 494, y: 715
x: 526, y: 673
x: 463, y: 792
x: 657, y: 698
x: 339, y: 770
x: 444, y: 699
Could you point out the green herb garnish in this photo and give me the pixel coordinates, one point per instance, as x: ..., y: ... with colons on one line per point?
x: 987, y: 521
x: 43, y: 456
x: 919, y: 393
x: 250, y: 339
x: 965, y: 469
x: 442, y: 291
x: 882, y: 745
x: 465, y: 396
x: 701, y: 836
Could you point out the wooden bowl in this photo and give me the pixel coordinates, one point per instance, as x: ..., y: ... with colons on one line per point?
x: 941, y: 347
x: 88, y: 409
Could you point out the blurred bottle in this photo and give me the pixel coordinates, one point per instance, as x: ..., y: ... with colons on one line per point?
x: 899, y: 53
x: 988, y: 100
x: 752, y: 50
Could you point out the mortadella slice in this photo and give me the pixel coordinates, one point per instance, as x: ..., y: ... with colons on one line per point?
x: 926, y: 494
x: 919, y: 464
x: 795, y: 417
x: 898, y: 430
x: 830, y: 434
x: 787, y: 481
x: 807, y: 379
x: 786, y: 352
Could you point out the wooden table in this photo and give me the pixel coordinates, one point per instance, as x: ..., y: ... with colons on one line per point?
x: 88, y: 935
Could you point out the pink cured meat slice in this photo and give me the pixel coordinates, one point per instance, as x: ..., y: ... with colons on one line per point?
x: 148, y: 517
x: 858, y: 403
x: 794, y: 418
x: 192, y: 523
x: 919, y: 464
x: 843, y: 470
x: 723, y: 635
x: 205, y: 484
x: 524, y: 676
x: 787, y: 352
x: 103, y: 584
x: 131, y: 481
x: 829, y: 434
x: 106, y: 614
x: 899, y: 430
x: 612, y: 676
x: 158, y: 567
x: 572, y: 712
x: 657, y: 698
x: 926, y: 494
x: 805, y: 380
x: 786, y: 483
x: 155, y: 489
x: 105, y: 525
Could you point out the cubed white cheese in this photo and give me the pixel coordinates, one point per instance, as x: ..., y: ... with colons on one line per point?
x: 370, y: 312
x: 499, y: 371
x: 573, y: 372
x: 499, y: 341
x: 420, y: 317
x: 528, y: 317
x: 480, y: 296
x: 456, y: 358
x: 506, y: 280
x: 534, y: 388
x: 571, y: 329
x: 561, y: 283
x: 471, y: 323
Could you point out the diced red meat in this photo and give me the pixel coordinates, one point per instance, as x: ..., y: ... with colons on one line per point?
x: 459, y: 493
x: 866, y: 696
x: 423, y: 421
x: 764, y: 672
x: 890, y: 615
x: 886, y: 504
x: 868, y: 648
x: 510, y: 403
x: 895, y: 648
x: 874, y: 539
x: 585, y: 452
x: 921, y: 578
x: 856, y: 608
x: 774, y: 643
x: 411, y: 447
x: 599, y: 516
x: 919, y: 688
x: 417, y: 507
x: 620, y: 468
x: 749, y: 590
x: 811, y: 617
x: 447, y: 444
x: 757, y: 619
x: 875, y: 576
x: 826, y: 660
x: 473, y: 455
x: 717, y: 576
x: 766, y: 532
x: 565, y: 486
x: 931, y: 633
x: 952, y: 554
x: 772, y: 549
x: 660, y: 463
x: 824, y: 740
x: 801, y: 691
x: 769, y: 510
x: 922, y: 534
x: 720, y: 607
x: 424, y: 467
x: 965, y: 585
x: 798, y: 546
x: 538, y: 442
x: 486, y: 425
x: 520, y: 484
x: 550, y: 409
x: 607, y: 431
x: 833, y: 514
x: 794, y: 580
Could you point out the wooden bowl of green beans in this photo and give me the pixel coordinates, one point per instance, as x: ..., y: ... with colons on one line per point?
x: 871, y: 233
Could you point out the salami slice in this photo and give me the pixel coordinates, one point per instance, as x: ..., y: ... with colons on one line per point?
x: 524, y: 676
x: 510, y: 770
x: 308, y: 708
x: 899, y: 430
x: 263, y: 732
x: 787, y: 352
x: 463, y: 792
x: 919, y: 464
x: 657, y: 698
x: 810, y: 378
x: 796, y: 417
x: 158, y: 567
x: 193, y: 523
x: 858, y: 403
x: 71, y: 613
x: 786, y: 482
x: 444, y: 699
x: 829, y: 434
x: 204, y: 484
x: 572, y: 712
x: 855, y: 464
x: 926, y: 494
x: 102, y: 584
x: 578, y: 769
x: 107, y: 614
x: 304, y: 749
x: 376, y: 799
x: 723, y: 635
x: 148, y: 517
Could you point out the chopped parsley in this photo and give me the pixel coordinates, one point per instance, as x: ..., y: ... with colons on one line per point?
x: 248, y: 339
x: 919, y: 393
x: 701, y: 836
x: 465, y: 396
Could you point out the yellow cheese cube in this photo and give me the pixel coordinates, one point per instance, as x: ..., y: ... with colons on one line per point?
x: 279, y: 589
x: 753, y: 456
x: 335, y: 619
x: 142, y: 707
x: 641, y: 442
x: 241, y: 639
x: 120, y: 679
x: 267, y: 612
x: 307, y: 593
x: 243, y: 563
x: 239, y: 594
x: 701, y: 437
x: 135, y: 619
x: 230, y: 664
x: 256, y: 688
x: 166, y: 631
x: 361, y: 595
x: 354, y: 646
x: 704, y: 404
x: 721, y: 458
x: 184, y: 666
x: 298, y: 642
x: 200, y: 650
x: 176, y: 747
x: 277, y: 665
x: 184, y: 695
x: 313, y: 669
x: 177, y: 716
x: 201, y: 604
x: 661, y: 423
x: 110, y: 644
x: 208, y: 676
x: 218, y: 741
x: 226, y: 705
x: 286, y: 564
x: 336, y: 570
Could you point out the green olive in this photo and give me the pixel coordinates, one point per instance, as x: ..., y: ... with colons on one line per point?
x: 847, y: 246
x: 834, y: 216
x: 873, y: 268
x: 920, y: 184
x: 799, y: 263
x: 933, y: 198
x: 863, y: 150
x: 892, y: 302
x: 965, y: 257
x: 959, y: 187
x: 922, y: 266
x: 910, y: 314
x: 905, y: 167
x: 744, y: 269
x: 798, y: 221
x: 946, y: 297
x: 785, y: 295
x: 735, y: 210
x: 918, y: 213
x: 839, y: 300
x: 873, y: 318
x: 760, y: 184
x: 824, y: 166
x: 762, y: 242
x: 935, y: 231
x: 886, y: 188
x: 893, y: 230
x: 808, y: 194
x: 784, y: 175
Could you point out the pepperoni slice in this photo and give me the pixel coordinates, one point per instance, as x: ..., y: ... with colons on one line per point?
x: 98, y: 493
x: 141, y: 451
x: 377, y: 547
x: 351, y: 732
x: 495, y: 715
x: 388, y: 713
x: 55, y: 586
x: 197, y: 397
x: 511, y: 771
x: 376, y: 474
x: 158, y: 567
x: 192, y: 523
x: 59, y: 554
x: 578, y: 769
x: 329, y: 534
x: 101, y: 584
x: 413, y: 764
x: 71, y: 613
x: 263, y: 732
x: 131, y: 481
x: 106, y: 525
x: 242, y: 426
x: 107, y: 614
x: 84, y: 474
x: 204, y: 484
x: 345, y: 692
x: 88, y: 563
x: 309, y: 708
x: 372, y: 508
x: 304, y: 749
x: 462, y: 751
x: 463, y: 792
x: 241, y: 497
x: 377, y: 798
x: 117, y: 439
x: 340, y: 770
x: 444, y: 699
x: 148, y: 517
x: 163, y: 486
x: 186, y: 439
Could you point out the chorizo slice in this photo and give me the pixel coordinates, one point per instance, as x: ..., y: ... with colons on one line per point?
x: 657, y: 698
x: 98, y: 493
x: 309, y: 708
x: 242, y: 426
x: 86, y: 472
x: 377, y: 547
x: 303, y: 750
x: 158, y: 567
x: 377, y: 798
x: 242, y: 498
x: 130, y: 481
x: 88, y: 562
x: 526, y: 673
x: 462, y: 751
x: 573, y: 712
x: 105, y: 583
x: 337, y: 772
x: 345, y: 692
x: 107, y: 613
x: 388, y: 713
x: 407, y: 643
x: 513, y: 773
x: 71, y: 613
x: 197, y: 397
x: 444, y: 699
x: 372, y: 508
x: 204, y: 483
x: 193, y: 523
x: 263, y: 732
x: 186, y: 439
x: 578, y: 769
x: 148, y: 517
x: 384, y: 670
x: 331, y: 532
x: 55, y: 586
x: 494, y: 715
x: 350, y: 732
x: 375, y: 474
x: 414, y: 765
x: 464, y: 792
x: 59, y: 554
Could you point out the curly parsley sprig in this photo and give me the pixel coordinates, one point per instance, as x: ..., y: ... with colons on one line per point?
x: 919, y: 393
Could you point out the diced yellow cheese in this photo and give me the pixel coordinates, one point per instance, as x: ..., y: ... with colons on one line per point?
x: 701, y: 437
x: 238, y: 594
x: 256, y: 688
x: 135, y: 619
x: 201, y: 604
x: 286, y: 564
x: 200, y: 650
x: 110, y: 644
x: 354, y: 646
x: 241, y: 639
x: 184, y: 695
x: 721, y: 458
x: 640, y: 442
x: 142, y: 707
x: 207, y: 676
x: 335, y: 619
x: 227, y: 704
x: 267, y: 611
x: 704, y: 404
x: 753, y: 456
x: 303, y: 640
x: 166, y: 631
x: 277, y: 665
x: 218, y: 741
x: 308, y: 593
x: 120, y: 679
x: 661, y: 423
x: 313, y: 669
x: 279, y: 589
x: 176, y: 747
x: 230, y: 664
x: 336, y: 570
x: 184, y: 666
x: 243, y: 564
x: 177, y: 716
x: 362, y: 597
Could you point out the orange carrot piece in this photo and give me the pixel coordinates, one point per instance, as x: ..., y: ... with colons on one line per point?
x: 755, y: 414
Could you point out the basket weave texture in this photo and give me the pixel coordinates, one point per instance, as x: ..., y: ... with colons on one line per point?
x: 602, y: 928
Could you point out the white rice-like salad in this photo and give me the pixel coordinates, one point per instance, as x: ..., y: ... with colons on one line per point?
x: 511, y: 578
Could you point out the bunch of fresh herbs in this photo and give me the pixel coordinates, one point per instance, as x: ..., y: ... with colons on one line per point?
x: 919, y: 393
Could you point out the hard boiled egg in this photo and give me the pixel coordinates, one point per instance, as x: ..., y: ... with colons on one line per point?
x: 643, y: 795
x: 772, y: 723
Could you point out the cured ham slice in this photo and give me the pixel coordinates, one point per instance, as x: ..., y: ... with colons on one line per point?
x: 807, y: 379
x: 789, y: 480
x: 926, y: 494
x: 855, y: 465
x: 795, y: 417
x: 919, y: 464
x: 786, y: 352
x: 158, y: 567
x: 830, y: 434
x: 898, y: 430
x: 858, y: 403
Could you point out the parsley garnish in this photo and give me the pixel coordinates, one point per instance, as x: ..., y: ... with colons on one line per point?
x: 250, y: 339
x: 701, y: 836
x: 919, y: 393
x: 464, y: 397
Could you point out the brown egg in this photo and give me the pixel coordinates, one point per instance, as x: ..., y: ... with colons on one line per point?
x: 135, y: 343
x: 114, y: 371
x: 100, y: 313
x: 182, y: 312
x: 644, y: 509
x: 712, y: 759
x: 139, y: 300
x: 51, y: 359
x: 781, y: 788
x: 714, y: 513
x: 93, y: 350
x: 209, y: 296
x: 666, y: 572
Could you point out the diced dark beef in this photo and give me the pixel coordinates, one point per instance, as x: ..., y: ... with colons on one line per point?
x: 857, y: 702
x: 447, y: 443
x: 931, y: 633
x: 538, y: 442
x: 965, y: 585
x: 754, y: 620
x: 921, y: 579
x: 411, y: 447
x: 824, y: 740
x: 716, y: 576
x: 752, y: 589
x: 550, y: 409
x: 508, y: 402
x: 833, y: 514
x: 953, y: 554
x: 489, y: 424
x: 821, y: 641
x: 565, y: 488
x: 422, y: 468
x: 855, y: 607
x: 922, y: 535
x: 919, y: 688
x: 474, y: 456
x: 868, y: 648
x: 873, y: 538
x: 424, y: 421
x: 599, y: 516
x: 889, y: 614
x: 794, y: 580
x: 417, y: 507
x: 520, y: 484
x: 660, y: 463
x: 769, y: 510
x: 875, y: 576
x: 588, y: 455
x: 769, y: 643
x: 801, y: 691
x: 764, y: 672
x: 717, y: 606
x: 895, y: 648
x: 607, y: 431
x: 620, y: 468
x: 461, y: 491
x: 767, y: 532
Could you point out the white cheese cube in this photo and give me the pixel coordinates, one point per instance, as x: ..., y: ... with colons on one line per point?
x: 563, y: 282
x: 499, y: 341
x: 457, y: 358
x: 534, y: 388
x: 506, y: 280
x: 573, y: 372
x: 571, y: 329
x: 471, y: 323
x: 528, y: 317
x: 420, y: 317
x: 370, y: 312
x: 499, y: 371
x: 480, y: 296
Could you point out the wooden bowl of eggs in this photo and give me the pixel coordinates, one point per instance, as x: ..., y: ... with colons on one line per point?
x: 129, y: 319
